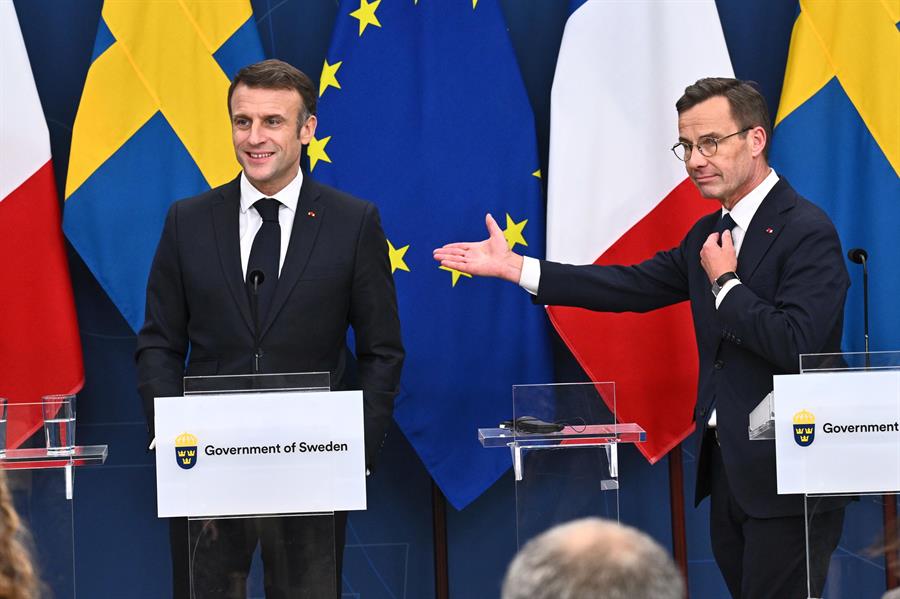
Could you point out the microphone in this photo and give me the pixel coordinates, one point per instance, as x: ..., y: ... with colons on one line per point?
x: 861, y: 256
x: 858, y: 255
x: 255, y: 278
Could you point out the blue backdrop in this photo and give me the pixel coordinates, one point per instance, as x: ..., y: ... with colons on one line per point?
x: 120, y: 543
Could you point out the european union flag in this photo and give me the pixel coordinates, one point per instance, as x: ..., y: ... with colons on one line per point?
x: 837, y: 139
x: 424, y: 112
x: 152, y: 127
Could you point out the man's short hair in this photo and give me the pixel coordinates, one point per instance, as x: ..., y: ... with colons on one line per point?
x: 592, y: 559
x: 748, y: 106
x: 277, y: 74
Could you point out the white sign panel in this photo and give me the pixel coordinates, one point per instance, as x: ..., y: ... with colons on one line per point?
x: 260, y: 453
x: 838, y: 432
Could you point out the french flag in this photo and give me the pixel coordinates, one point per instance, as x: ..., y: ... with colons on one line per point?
x: 40, y: 349
x: 617, y: 195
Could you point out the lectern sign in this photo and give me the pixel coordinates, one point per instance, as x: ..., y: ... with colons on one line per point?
x: 838, y: 432
x: 260, y: 453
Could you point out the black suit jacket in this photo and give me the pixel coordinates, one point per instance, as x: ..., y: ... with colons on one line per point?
x: 791, y: 302
x: 336, y: 274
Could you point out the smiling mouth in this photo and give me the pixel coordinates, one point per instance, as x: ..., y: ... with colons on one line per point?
x: 259, y: 155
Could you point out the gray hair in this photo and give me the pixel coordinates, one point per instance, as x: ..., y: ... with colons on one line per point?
x: 592, y: 559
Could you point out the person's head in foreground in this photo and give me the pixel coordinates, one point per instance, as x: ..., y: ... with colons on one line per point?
x: 592, y: 559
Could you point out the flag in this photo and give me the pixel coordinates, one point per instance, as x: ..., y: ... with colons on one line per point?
x: 40, y: 350
x: 617, y: 195
x: 837, y: 140
x: 152, y: 127
x: 424, y: 112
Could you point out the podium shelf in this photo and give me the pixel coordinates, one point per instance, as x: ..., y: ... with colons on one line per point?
x: 25, y: 459
x: 595, y: 434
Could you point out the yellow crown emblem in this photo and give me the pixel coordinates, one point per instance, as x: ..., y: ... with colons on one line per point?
x: 185, y: 440
x: 804, y: 417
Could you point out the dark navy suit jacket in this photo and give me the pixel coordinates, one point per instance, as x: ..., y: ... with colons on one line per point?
x: 336, y: 274
x: 790, y: 302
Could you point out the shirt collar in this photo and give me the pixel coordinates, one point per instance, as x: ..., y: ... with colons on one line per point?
x: 743, y: 211
x: 289, y: 196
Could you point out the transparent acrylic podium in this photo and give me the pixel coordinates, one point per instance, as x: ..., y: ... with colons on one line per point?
x: 41, y: 485
x: 856, y: 568
x: 298, y: 548
x: 565, y: 465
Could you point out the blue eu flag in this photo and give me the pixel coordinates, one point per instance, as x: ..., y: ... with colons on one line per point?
x: 423, y: 111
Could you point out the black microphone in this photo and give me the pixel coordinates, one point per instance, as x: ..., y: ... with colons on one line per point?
x: 255, y: 278
x: 858, y: 255
x: 861, y: 256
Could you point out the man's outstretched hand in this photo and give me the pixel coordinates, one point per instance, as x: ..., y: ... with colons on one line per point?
x: 489, y: 258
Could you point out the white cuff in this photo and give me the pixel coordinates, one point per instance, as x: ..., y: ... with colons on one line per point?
x: 530, y: 278
x: 724, y: 291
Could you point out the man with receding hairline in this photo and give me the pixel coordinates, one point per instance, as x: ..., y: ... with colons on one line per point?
x: 592, y: 559
x: 766, y: 280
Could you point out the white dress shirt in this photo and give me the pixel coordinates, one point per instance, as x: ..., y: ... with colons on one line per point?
x: 249, y: 220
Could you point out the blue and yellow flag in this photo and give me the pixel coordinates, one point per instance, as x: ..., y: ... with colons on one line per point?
x: 424, y: 112
x: 152, y: 127
x: 837, y: 140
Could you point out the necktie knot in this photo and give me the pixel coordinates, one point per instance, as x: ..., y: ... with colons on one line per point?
x: 267, y: 209
x: 726, y: 223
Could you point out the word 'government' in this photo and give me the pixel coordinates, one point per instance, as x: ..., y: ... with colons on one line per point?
x: 892, y: 427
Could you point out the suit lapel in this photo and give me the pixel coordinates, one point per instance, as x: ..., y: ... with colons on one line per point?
x: 765, y: 227
x: 226, y: 226
x: 310, y: 211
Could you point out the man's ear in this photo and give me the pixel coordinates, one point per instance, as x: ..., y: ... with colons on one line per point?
x: 308, y: 130
x: 758, y: 140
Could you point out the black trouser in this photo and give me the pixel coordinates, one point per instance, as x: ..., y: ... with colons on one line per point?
x: 766, y: 557
x: 296, y: 554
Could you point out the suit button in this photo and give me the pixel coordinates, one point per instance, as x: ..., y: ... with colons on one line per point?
x: 719, y: 364
x: 738, y: 341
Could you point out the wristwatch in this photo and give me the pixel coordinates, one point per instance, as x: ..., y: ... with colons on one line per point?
x: 720, y: 282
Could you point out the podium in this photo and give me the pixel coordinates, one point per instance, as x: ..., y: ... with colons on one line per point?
x: 836, y: 427
x: 263, y: 459
x: 563, y: 439
x: 42, y: 486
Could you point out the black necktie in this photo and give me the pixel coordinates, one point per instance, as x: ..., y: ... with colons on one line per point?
x: 264, y: 255
x: 725, y: 223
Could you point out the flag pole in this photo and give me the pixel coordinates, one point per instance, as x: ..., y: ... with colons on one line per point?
x: 439, y: 540
x: 676, y: 504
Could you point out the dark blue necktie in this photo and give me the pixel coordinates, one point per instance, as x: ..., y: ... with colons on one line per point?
x: 264, y: 255
x: 726, y: 223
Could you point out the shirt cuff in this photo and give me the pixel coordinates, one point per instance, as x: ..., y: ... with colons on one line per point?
x: 728, y: 286
x: 530, y: 278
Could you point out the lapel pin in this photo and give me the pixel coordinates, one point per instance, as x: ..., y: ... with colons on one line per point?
x: 770, y: 230
x: 311, y: 214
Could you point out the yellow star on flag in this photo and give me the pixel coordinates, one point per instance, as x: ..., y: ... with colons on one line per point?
x: 513, y: 232
x: 536, y: 173
x: 365, y: 14
x: 396, y: 257
x: 329, y: 77
x: 316, y: 151
x: 455, y: 275
x: 474, y: 4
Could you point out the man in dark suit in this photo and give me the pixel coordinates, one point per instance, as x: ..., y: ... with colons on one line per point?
x: 324, y: 267
x: 766, y: 280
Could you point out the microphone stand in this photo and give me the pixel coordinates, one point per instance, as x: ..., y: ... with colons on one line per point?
x: 255, y: 279
x: 889, y: 502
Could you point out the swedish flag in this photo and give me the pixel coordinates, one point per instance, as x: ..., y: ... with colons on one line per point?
x: 424, y: 112
x: 837, y: 139
x: 152, y: 127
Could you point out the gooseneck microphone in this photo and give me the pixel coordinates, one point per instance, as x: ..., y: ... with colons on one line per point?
x: 255, y: 278
x: 861, y: 256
